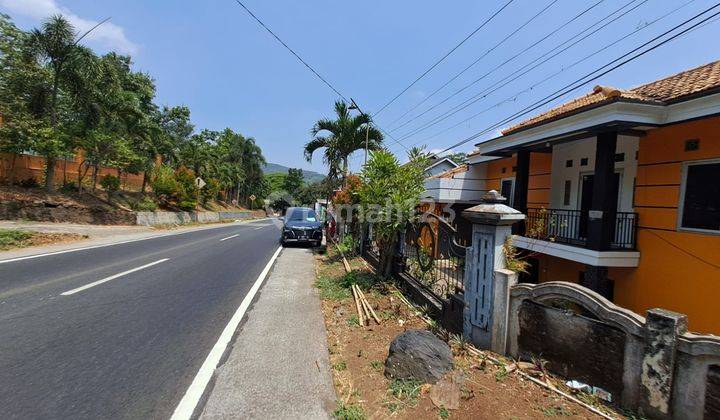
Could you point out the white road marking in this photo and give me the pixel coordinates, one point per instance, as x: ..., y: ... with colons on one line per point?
x: 194, y: 393
x: 113, y: 277
x: 83, y: 248
x: 229, y: 237
x: 260, y: 227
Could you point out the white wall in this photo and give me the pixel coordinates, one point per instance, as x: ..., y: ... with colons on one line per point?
x: 464, y: 186
x: 576, y: 150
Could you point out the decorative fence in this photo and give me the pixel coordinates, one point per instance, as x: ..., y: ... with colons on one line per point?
x: 430, y: 260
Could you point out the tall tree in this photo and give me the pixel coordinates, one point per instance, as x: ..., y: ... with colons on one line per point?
x: 294, y: 180
x: 341, y: 137
x: 22, y: 89
x: 55, y: 44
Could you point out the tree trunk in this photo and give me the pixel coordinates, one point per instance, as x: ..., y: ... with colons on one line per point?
x: 50, y: 161
x: 94, y: 177
x: 144, y: 183
x: 50, y: 174
x: 387, y: 257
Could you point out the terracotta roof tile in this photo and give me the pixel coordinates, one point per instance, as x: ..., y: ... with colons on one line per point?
x: 670, y: 89
x: 450, y: 173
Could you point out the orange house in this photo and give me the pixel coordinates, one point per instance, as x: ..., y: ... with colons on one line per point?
x: 622, y: 193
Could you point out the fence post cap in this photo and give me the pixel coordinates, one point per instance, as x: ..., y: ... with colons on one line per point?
x: 492, y: 211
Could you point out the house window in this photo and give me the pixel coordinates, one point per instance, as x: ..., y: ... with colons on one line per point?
x: 700, y: 200
x: 619, y: 157
x: 507, y: 189
x: 566, y: 193
x: 569, y: 163
x: 583, y: 161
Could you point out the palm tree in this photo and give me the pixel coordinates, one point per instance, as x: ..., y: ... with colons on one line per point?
x: 346, y: 136
x: 56, y: 43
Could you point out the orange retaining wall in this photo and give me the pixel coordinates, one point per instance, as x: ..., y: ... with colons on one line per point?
x: 28, y: 166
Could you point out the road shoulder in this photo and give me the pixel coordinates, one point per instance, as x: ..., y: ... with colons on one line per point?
x: 278, y: 366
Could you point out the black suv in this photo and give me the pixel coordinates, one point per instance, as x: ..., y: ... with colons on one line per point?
x: 301, y: 224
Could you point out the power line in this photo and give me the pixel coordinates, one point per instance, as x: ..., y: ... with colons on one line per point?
x: 452, y: 79
x: 580, y: 82
x: 547, y: 56
x: 514, y: 96
x: 443, y: 57
x: 291, y: 51
x: 328, y: 84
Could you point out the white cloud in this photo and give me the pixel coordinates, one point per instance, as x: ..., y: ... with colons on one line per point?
x: 108, y: 34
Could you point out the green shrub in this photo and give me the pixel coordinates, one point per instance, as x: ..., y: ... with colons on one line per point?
x: 68, y: 187
x: 144, y: 204
x: 211, y: 190
x: 348, y: 412
x: 110, y: 183
x: 163, y: 183
x: 12, y: 237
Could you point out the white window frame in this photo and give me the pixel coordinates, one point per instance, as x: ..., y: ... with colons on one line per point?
x: 681, y: 203
x: 510, y: 199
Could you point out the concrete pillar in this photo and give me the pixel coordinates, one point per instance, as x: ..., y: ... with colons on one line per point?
x: 596, y: 278
x: 522, y: 182
x: 487, y: 283
x: 662, y: 329
x: 603, y: 210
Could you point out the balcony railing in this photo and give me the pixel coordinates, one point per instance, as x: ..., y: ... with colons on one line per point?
x: 571, y: 227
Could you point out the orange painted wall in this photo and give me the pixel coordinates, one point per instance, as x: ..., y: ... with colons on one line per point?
x: 678, y: 270
x: 538, y: 184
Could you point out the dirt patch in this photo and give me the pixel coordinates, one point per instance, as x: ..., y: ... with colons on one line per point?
x: 484, y: 389
x: 14, y: 239
x: 37, y: 205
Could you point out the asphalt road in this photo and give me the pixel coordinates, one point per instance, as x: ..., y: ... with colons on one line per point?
x: 78, y: 341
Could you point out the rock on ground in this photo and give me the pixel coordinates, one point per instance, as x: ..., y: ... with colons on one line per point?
x: 418, y: 354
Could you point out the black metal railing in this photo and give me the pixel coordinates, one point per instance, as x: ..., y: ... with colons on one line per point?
x: 571, y: 227
x: 431, y: 253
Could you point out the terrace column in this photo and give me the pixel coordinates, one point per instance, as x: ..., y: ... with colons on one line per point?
x: 522, y: 180
x: 603, y: 210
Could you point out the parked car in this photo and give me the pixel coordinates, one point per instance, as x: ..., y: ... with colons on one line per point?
x: 301, y: 225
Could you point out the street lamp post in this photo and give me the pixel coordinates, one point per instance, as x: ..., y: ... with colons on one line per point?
x: 353, y: 105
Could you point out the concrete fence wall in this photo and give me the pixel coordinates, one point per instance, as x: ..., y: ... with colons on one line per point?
x: 152, y: 218
x: 650, y: 364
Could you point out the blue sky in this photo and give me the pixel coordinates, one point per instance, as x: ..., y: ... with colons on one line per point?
x: 211, y: 56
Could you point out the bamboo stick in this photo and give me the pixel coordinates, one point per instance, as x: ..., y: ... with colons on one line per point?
x: 372, y: 312
x: 361, y: 318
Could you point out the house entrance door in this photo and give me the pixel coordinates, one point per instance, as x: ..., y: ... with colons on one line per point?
x: 586, y: 194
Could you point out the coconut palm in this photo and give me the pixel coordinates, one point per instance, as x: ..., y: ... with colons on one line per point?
x: 54, y: 42
x: 345, y: 135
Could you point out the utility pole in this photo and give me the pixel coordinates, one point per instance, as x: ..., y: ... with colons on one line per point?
x: 353, y: 105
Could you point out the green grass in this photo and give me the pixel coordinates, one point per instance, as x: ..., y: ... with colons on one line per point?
x: 406, y: 390
x: 339, y: 366
x: 338, y: 288
x: 12, y: 238
x: 377, y: 365
x: 444, y: 413
x: 556, y: 411
x: 331, y: 289
x: 348, y: 412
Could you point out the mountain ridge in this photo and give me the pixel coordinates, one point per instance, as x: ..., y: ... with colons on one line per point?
x: 310, y: 176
